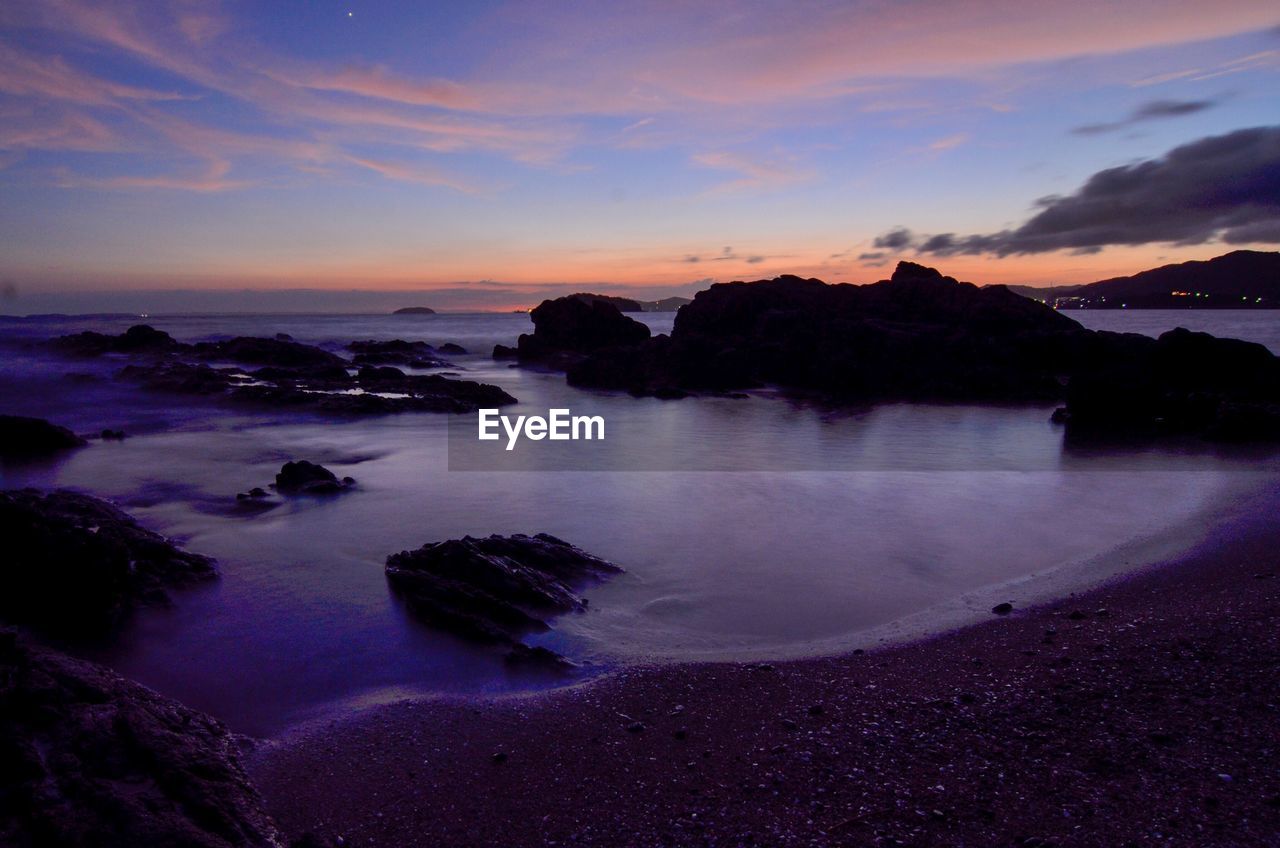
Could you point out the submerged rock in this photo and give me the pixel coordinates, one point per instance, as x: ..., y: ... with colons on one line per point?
x: 28, y: 438
x: 75, y: 565
x: 497, y: 589
x: 93, y: 759
x: 308, y: 478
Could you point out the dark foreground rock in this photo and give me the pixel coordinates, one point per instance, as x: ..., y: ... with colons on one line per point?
x: 307, y: 478
x: 272, y: 352
x: 74, y: 565
x: 30, y: 438
x: 91, y: 759
x: 497, y: 589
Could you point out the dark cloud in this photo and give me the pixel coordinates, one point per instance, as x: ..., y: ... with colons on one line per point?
x: 871, y: 257
x: 727, y: 254
x: 1224, y: 188
x: 1151, y: 111
x: 894, y: 239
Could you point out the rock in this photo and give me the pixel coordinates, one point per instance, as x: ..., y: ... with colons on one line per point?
x: 538, y: 658
x: 414, y: 310
x: 396, y: 352
x: 139, y: 339
x: 274, y: 352
x: 256, y: 493
x: 113, y: 435
x: 572, y: 325
x: 283, y: 337
x: 623, y: 304
x: 452, y: 349
x: 496, y: 589
x: 1077, y: 615
x: 498, y: 758
x: 1002, y: 608
x: 505, y: 352
x: 180, y: 378
x: 92, y: 759
x: 75, y: 565
x: 635, y: 727
x: 29, y: 438
x: 308, y: 478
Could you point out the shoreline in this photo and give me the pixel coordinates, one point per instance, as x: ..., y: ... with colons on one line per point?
x: 1115, y: 724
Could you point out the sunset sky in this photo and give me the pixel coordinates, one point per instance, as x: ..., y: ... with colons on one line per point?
x: 497, y: 151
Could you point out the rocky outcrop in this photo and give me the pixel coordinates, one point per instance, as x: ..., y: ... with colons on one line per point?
x: 92, y: 759
x: 374, y: 391
x: 30, y: 438
x: 414, y: 310
x: 308, y: 478
x: 1184, y: 382
x: 495, y: 590
x: 273, y: 352
x: 415, y: 354
x: 920, y: 336
x: 139, y: 339
x: 75, y: 565
x: 570, y: 326
x: 624, y: 304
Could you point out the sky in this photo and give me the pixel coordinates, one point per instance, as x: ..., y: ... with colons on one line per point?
x: 484, y: 154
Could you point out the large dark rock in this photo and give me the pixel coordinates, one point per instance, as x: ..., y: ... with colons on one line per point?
x: 275, y: 352
x: 29, y: 438
x: 92, y: 759
x: 494, y: 590
x: 572, y: 325
x: 74, y: 565
x: 624, y: 304
x: 416, y: 354
x: 139, y: 339
x: 1184, y: 382
x: 921, y: 336
x: 308, y: 478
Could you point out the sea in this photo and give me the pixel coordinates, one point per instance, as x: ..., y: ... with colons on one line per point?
x: 750, y: 528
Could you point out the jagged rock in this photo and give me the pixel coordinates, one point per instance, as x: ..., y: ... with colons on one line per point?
x: 180, y: 378
x: 453, y: 349
x: 92, y: 759
x: 308, y: 478
x: 501, y: 351
x: 75, y: 565
x: 494, y: 590
x: 27, y: 438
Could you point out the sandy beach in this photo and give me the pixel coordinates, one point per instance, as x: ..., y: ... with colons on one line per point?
x: 1142, y: 712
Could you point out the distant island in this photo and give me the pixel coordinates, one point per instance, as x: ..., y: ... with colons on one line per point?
x: 666, y: 304
x: 626, y: 304
x: 414, y: 310
x: 1242, y: 279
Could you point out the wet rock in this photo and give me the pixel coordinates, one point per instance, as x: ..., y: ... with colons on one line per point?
x: 635, y: 727
x: 1002, y: 608
x: 256, y: 493
x: 93, y: 759
x: 452, y: 349
x: 505, y: 352
x: 494, y: 590
x: 75, y: 565
x: 180, y: 378
x: 113, y: 435
x: 28, y: 438
x: 308, y: 478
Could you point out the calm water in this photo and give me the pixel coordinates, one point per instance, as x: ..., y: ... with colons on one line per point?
x: 720, y: 564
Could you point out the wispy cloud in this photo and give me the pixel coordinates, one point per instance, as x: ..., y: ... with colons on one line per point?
x: 1151, y: 111
x: 754, y: 174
